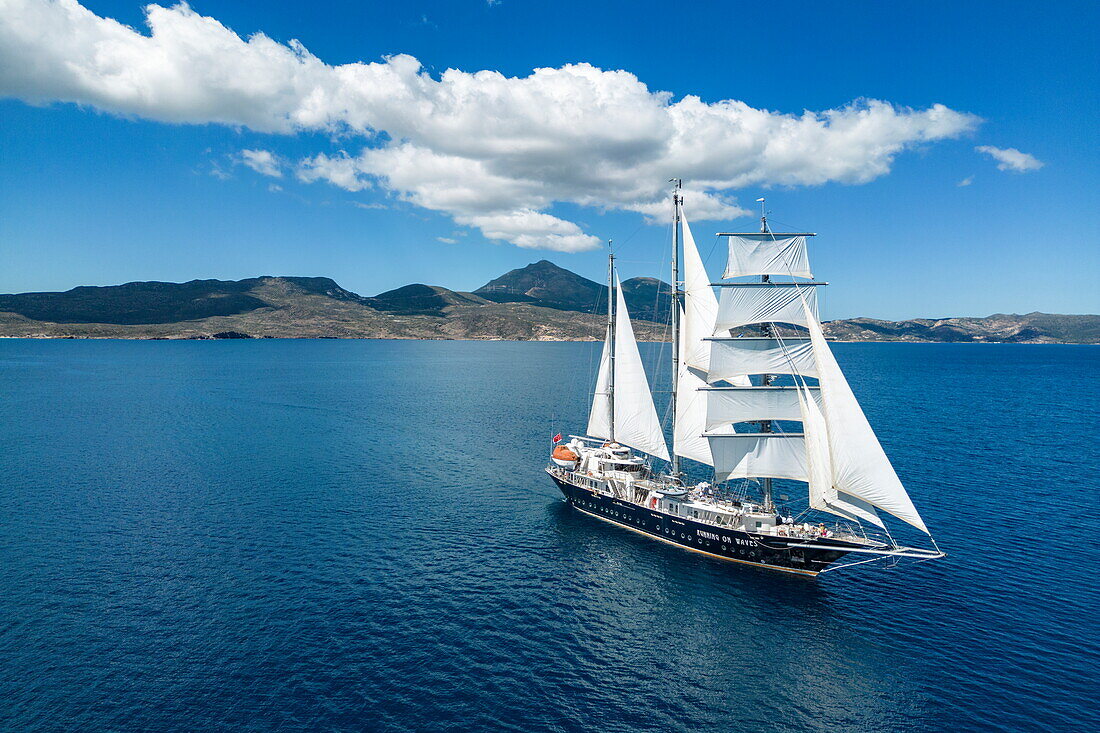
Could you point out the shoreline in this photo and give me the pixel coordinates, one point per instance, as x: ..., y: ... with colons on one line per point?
x: 492, y: 339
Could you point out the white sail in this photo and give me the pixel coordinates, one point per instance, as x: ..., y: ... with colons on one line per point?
x: 599, y: 417
x: 697, y: 323
x: 758, y: 455
x: 700, y: 305
x: 819, y: 467
x: 860, y: 466
x: 726, y: 405
x: 767, y: 254
x: 691, y: 413
x: 733, y: 358
x: 745, y: 304
x: 636, y: 422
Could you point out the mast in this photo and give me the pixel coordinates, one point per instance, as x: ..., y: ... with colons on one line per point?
x: 676, y: 201
x: 767, y: 330
x: 611, y: 341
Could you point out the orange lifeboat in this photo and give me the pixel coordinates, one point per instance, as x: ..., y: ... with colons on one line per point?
x: 564, y: 457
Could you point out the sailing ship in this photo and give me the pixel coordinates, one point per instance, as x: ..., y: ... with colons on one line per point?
x: 758, y: 397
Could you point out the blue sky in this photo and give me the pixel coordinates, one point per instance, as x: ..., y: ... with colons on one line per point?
x: 114, y: 189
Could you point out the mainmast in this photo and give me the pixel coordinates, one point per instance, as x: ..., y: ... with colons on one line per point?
x: 611, y: 341
x: 676, y: 201
x: 767, y: 330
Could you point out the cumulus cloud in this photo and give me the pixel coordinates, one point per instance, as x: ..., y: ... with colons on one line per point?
x: 262, y: 161
x: 491, y: 151
x: 965, y: 182
x: 1011, y: 159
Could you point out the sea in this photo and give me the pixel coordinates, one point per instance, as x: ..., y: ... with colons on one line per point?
x: 358, y: 535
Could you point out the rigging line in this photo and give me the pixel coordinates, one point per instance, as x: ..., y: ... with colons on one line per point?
x: 853, y: 564
x: 787, y: 224
x: 712, y: 248
x: 632, y: 235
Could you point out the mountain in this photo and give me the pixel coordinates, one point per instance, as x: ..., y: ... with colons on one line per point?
x: 157, y: 302
x: 289, y: 307
x: 539, y: 302
x: 545, y: 284
x: 548, y: 285
x: 421, y: 300
x: 1000, y: 327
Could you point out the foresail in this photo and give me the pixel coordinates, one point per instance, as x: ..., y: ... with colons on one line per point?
x: 758, y: 455
x: 860, y: 466
x: 746, y: 304
x: 767, y: 254
x: 819, y: 467
x: 726, y: 405
x: 599, y: 422
x: 731, y: 358
x: 636, y: 422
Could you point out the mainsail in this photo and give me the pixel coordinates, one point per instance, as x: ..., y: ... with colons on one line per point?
x: 700, y: 305
x: 697, y: 324
x: 691, y: 409
x: 628, y: 416
x: 733, y: 423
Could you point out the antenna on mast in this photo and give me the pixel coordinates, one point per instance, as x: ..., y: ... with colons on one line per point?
x: 763, y: 216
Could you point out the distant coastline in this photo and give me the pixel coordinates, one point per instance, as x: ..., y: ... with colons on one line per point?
x: 540, y: 302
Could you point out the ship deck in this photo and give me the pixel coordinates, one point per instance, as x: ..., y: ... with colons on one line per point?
x: 727, y: 514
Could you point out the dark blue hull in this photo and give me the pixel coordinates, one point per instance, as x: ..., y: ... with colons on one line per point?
x: 721, y: 542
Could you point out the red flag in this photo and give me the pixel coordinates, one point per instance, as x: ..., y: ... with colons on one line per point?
x: 557, y: 438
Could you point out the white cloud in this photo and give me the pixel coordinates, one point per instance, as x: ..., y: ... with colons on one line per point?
x: 262, y: 161
x: 965, y: 182
x: 274, y: 188
x: 1011, y: 159
x: 446, y: 240
x: 492, y: 151
x: 532, y: 229
x: 339, y: 170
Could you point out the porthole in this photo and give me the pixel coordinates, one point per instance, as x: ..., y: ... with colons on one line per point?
x: 723, y: 548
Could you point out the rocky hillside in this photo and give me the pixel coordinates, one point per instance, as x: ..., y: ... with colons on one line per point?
x: 539, y: 302
x: 1000, y: 327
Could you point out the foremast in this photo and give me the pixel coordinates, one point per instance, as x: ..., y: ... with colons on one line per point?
x: 767, y: 330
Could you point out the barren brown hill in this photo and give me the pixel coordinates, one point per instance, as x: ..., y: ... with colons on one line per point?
x: 541, y: 302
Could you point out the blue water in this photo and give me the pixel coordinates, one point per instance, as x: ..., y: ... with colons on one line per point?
x: 356, y: 535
